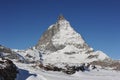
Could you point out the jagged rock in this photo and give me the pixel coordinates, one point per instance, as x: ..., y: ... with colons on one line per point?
x: 115, y: 65
x: 4, y: 49
x: 7, y: 53
x: 52, y: 68
x: 62, y: 44
x: 69, y: 69
x: 61, y: 17
x: 46, y: 39
x: 92, y: 56
x: 8, y: 70
x: 59, y: 35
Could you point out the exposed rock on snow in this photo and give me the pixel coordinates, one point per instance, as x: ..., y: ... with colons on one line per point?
x: 62, y: 44
x: 108, y: 64
x: 59, y: 35
x: 61, y: 49
x: 7, y: 53
x: 8, y: 70
x: 30, y: 73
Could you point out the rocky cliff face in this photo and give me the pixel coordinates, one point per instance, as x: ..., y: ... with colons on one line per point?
x: 59, y: 35
x: 7, y: 53
x: 62, y: 44
x: 8, y: 70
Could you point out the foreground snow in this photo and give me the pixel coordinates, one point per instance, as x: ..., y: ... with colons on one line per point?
x: 29, y: 73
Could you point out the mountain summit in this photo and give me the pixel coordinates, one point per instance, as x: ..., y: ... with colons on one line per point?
x: 60, y: 43
x: 60, y: 35
x: 61, y: 17
x: 61, y: 49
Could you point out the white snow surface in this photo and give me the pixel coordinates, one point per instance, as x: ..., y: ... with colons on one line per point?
x: 66, y: 35
x: 68, y: 55
x: 101, y: 55
x: 30, y: 73
x: 32, y: 52
x: 72, y: 55
x: 70, y: 48
x: 74, y: 50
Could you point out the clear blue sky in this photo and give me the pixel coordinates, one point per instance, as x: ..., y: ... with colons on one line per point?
x: 22, y: 22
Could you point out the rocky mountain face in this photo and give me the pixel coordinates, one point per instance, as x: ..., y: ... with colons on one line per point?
x: 60, y: 43
x: 8, y: 70
x: 7, y: 53
x: 60, y: 48
x: 60, y: 35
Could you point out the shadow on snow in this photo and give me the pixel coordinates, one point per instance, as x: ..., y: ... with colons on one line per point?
x: 24, y: 74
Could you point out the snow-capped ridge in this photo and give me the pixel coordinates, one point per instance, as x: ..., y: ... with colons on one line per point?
x: 101, y: 55
x: 60, y: 35
x: 61, y: 43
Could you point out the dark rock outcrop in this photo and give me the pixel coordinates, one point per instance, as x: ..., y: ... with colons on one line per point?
x: 7, y: 53
x: 46, y: 39
x: 114, y: 64
x: 46, y: 42
x: 68, y: 69
x: 8, y: 70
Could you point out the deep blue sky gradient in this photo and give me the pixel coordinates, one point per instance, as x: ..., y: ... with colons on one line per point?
x: 22, y: 22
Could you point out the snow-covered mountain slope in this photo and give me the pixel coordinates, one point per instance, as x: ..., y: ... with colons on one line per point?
x: 8, y: 53
x: 72, y: 57
x: 62, y: 44
x: 64, y: 50
x: 26, y: 72
x: 60, y: 35
x: 29, y: 55
x: 68, y: 56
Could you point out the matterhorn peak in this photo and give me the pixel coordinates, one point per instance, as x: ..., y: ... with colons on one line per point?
x: 61, y: 17
x: 60, y: 35
x: 63, y: 22
x: 60, y: 43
